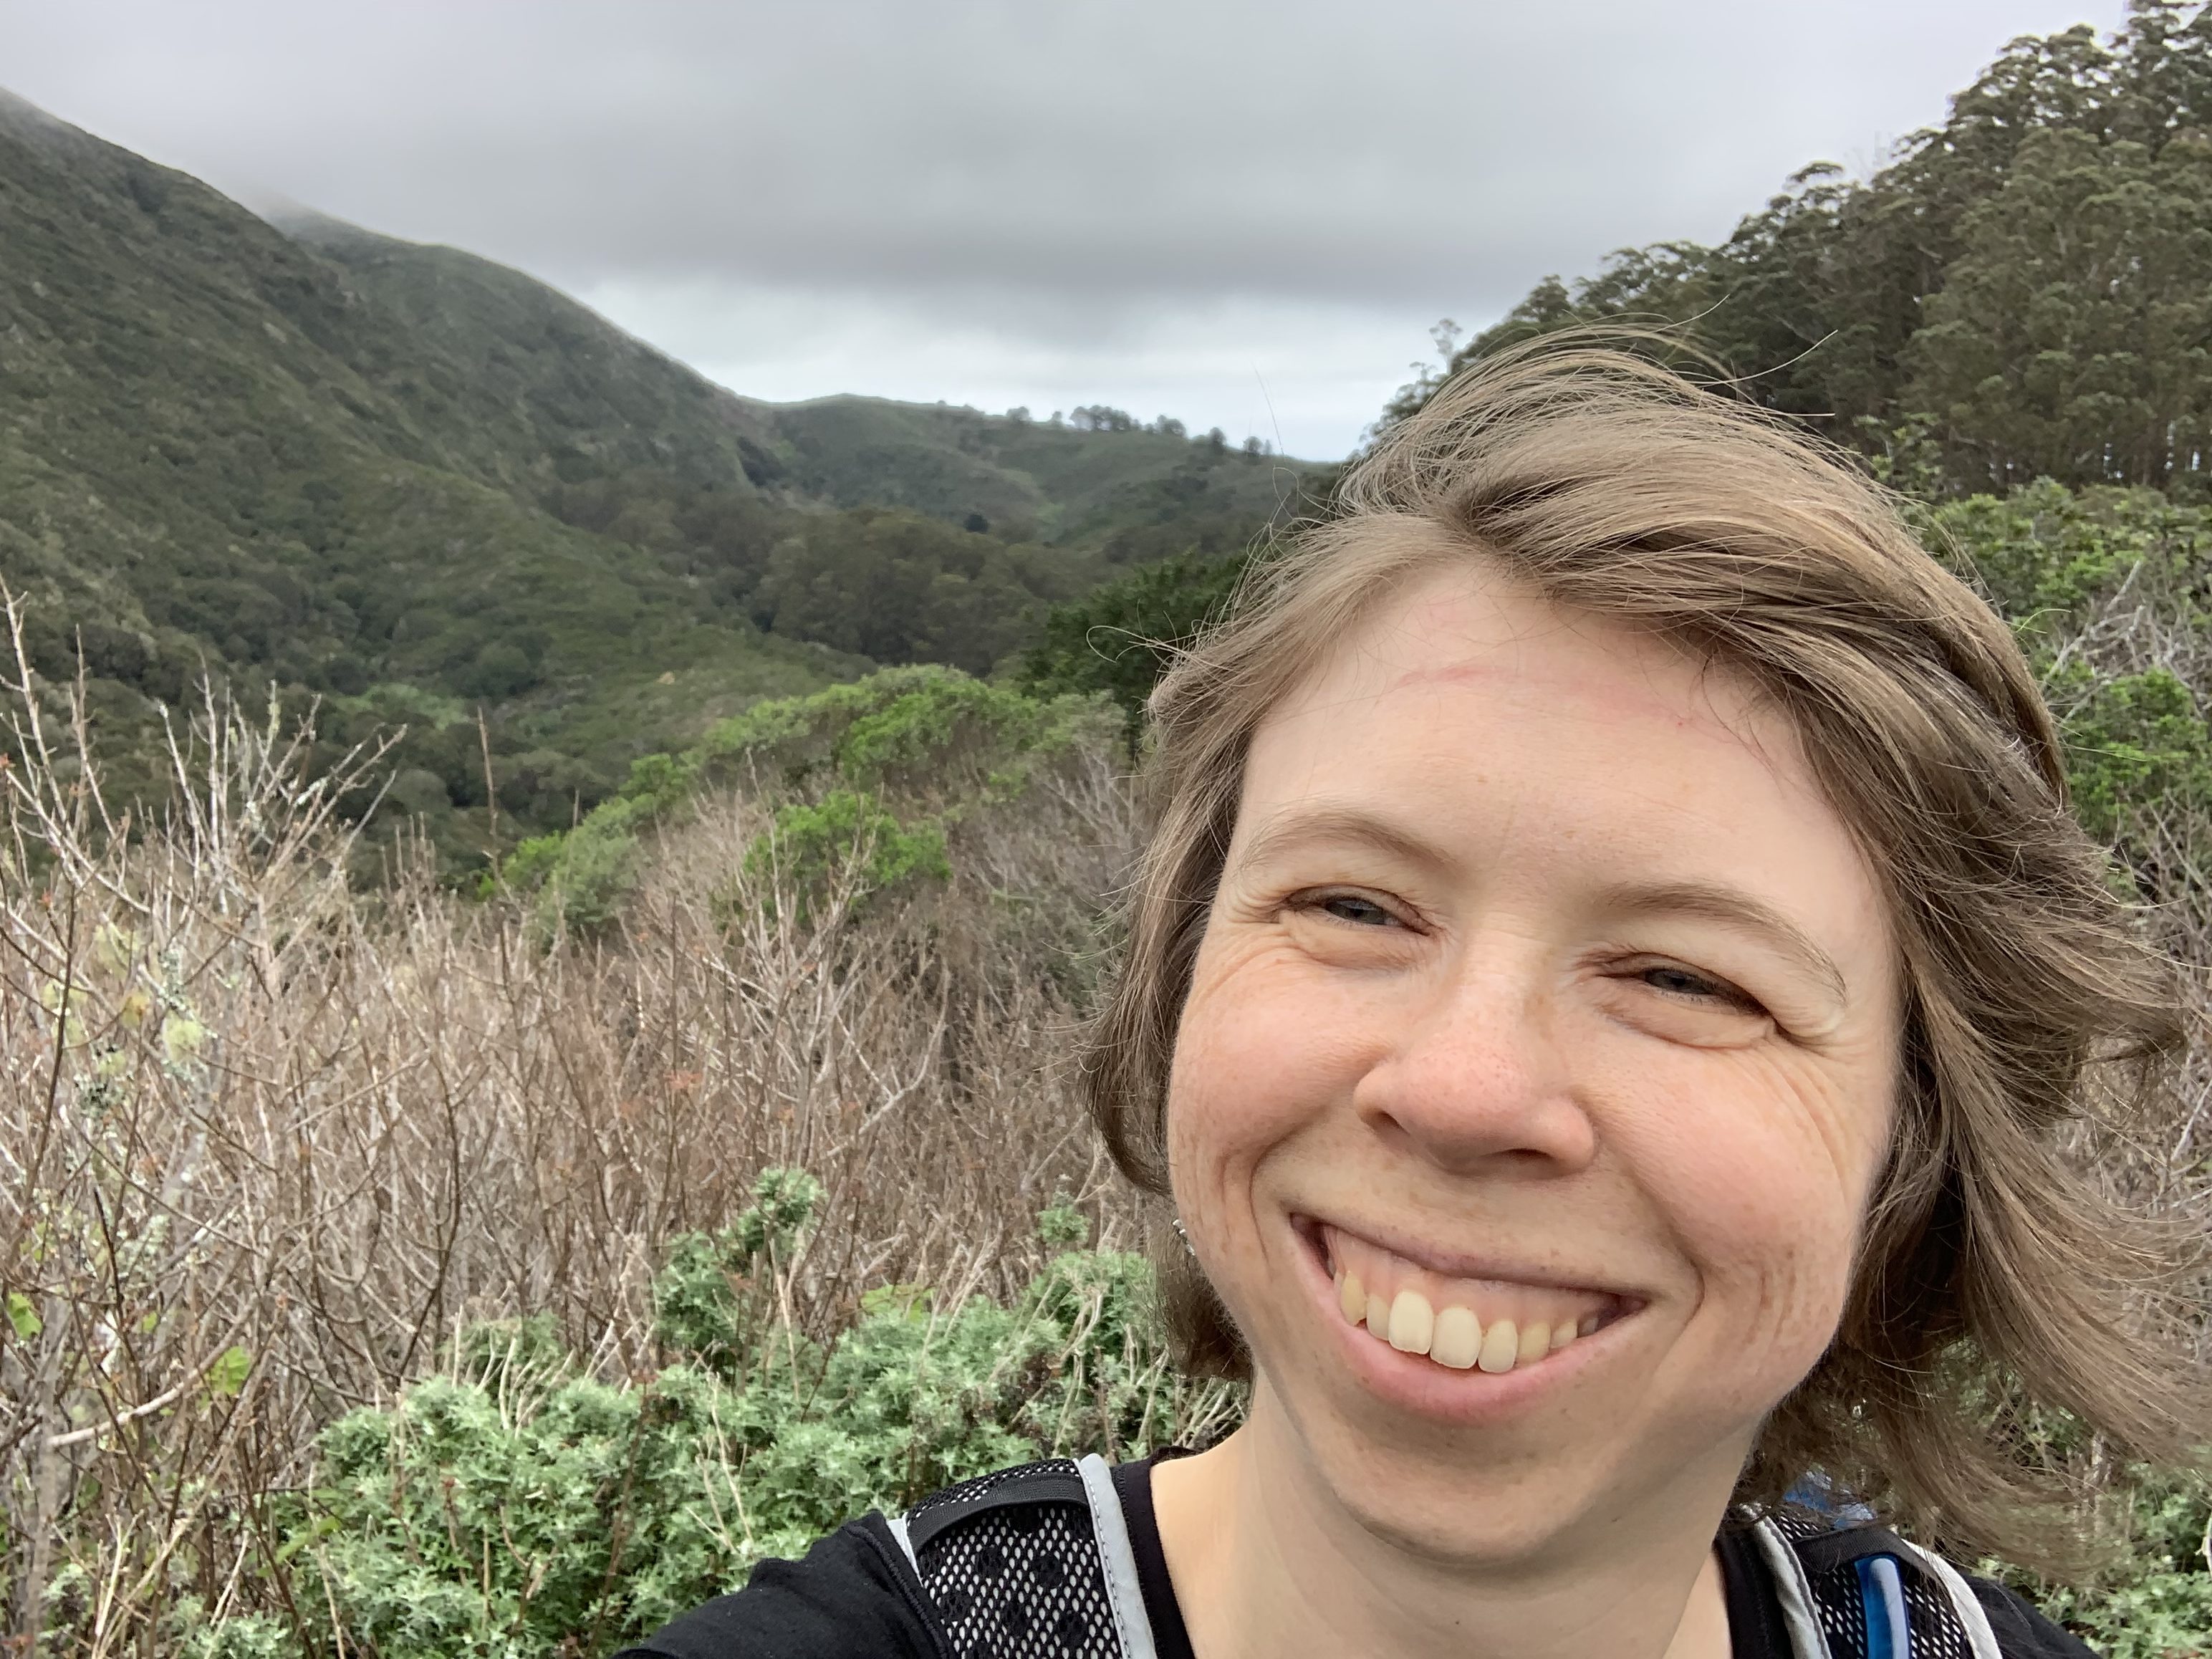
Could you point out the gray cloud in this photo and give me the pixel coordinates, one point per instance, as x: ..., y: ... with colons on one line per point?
x: 1068, y: 173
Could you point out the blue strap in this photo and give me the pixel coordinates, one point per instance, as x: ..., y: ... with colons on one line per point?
x: 1881, y: 1594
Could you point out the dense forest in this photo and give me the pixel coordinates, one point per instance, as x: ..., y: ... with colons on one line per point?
x: 2018, y: 294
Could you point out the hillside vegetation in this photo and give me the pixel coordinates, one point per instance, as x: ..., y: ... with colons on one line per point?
x: 2020, y: 293
x: 424, y: 488
x: 427, y: 1268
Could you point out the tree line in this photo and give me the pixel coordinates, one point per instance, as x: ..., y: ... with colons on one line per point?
x: 2023, y: 292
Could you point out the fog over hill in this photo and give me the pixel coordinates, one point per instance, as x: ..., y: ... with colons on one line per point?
x: 417, y: 482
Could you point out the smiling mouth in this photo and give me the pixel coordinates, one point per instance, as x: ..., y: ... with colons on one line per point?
x: 1463, y: 1324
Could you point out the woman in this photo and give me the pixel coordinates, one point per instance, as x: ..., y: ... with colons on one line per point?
x: 1611, y: 967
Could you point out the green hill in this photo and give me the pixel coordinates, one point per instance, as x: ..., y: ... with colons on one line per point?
x: 418, y: 484
x: 1107, y: 487
x: 593, y: 403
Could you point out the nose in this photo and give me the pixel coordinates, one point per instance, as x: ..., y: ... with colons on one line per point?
x: 1479, y: 1077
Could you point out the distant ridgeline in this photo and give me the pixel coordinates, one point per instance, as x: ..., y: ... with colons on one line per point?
x: 416, y: 485
x: 427, y: 489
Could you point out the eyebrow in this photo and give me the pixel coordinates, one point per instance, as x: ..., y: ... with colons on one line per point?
x: 1733, y: 909
x: 1338, y: 824
x: 1704, y: 901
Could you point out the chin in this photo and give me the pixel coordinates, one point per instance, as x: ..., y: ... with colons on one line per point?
x: 1469, y: 1467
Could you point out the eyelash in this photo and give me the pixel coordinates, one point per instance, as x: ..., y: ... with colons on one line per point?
x: 1319, y: 900
x: 1718, y: 990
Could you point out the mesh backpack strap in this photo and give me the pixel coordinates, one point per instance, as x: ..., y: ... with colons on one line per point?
x: 1125, y: 1593
x: 1014, y: 1565
x: 1875, y: 1596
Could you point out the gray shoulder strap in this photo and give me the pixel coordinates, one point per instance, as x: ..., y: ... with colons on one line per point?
x: 1795, y: 1592
x: 905, y: 1539
x: 1125, y: 1593
x: 1968, y: 1606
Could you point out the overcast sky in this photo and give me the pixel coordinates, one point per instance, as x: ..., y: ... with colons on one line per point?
x: 1242, y: 215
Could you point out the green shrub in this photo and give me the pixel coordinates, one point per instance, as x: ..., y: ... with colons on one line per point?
x: 1119, y: 640
x: 928, y: 742
x: 701, y: 1307
x: 844, y: 844
x: 927, y: 734
x: 2136, y: 742
x: 516, y: 1506
x: 2157, y: 1604
x: 580, y: 879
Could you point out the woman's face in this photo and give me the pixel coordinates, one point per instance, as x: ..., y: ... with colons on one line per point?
x: 1537, y: 1066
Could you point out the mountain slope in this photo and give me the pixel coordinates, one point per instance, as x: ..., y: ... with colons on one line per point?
x: 209, y: 439
x: 595, y: 403
x: 531, y: 387
x: 418, y: 485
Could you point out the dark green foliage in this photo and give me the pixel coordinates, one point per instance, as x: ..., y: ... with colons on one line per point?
x: 2027, y: 280
x: 516, y: 1505
x: 899, y: 587
x: 2070, y: 338
x: 1121, y: 639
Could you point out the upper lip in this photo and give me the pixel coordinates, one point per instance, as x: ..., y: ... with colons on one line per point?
x: 1452, y: 1264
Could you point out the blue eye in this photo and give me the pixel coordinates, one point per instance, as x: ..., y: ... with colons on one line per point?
x: 1349, y: 907
x: 1679, y: 983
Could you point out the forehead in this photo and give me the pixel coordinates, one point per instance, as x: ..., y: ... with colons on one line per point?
x: 1468, y: 635
x: 1478, y: 715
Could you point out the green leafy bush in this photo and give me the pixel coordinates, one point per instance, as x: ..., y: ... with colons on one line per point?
x: 843, y: 847
x: 1120, y: 638
x: 931, y: 735
x: 516, y: 1505
x: 2158, y: 1604
x: 879, y: 768
x: 696, y: 1308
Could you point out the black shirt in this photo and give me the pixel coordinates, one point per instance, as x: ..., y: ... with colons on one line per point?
x: 854, y: 1597
x: 1755, y: 1627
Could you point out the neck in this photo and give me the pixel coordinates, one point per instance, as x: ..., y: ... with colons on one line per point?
x: 1266, y: 1562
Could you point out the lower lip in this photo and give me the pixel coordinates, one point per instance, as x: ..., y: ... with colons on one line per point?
x: 1414, y: 1383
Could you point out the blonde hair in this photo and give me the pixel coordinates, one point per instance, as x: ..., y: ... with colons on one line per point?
x: 1994, y: 1279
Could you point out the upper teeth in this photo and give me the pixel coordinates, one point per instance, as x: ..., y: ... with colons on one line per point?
x: 1458, y: 1323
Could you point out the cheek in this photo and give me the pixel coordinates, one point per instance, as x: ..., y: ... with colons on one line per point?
x: 1765, y: 1183
x: 1257, y: 1059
